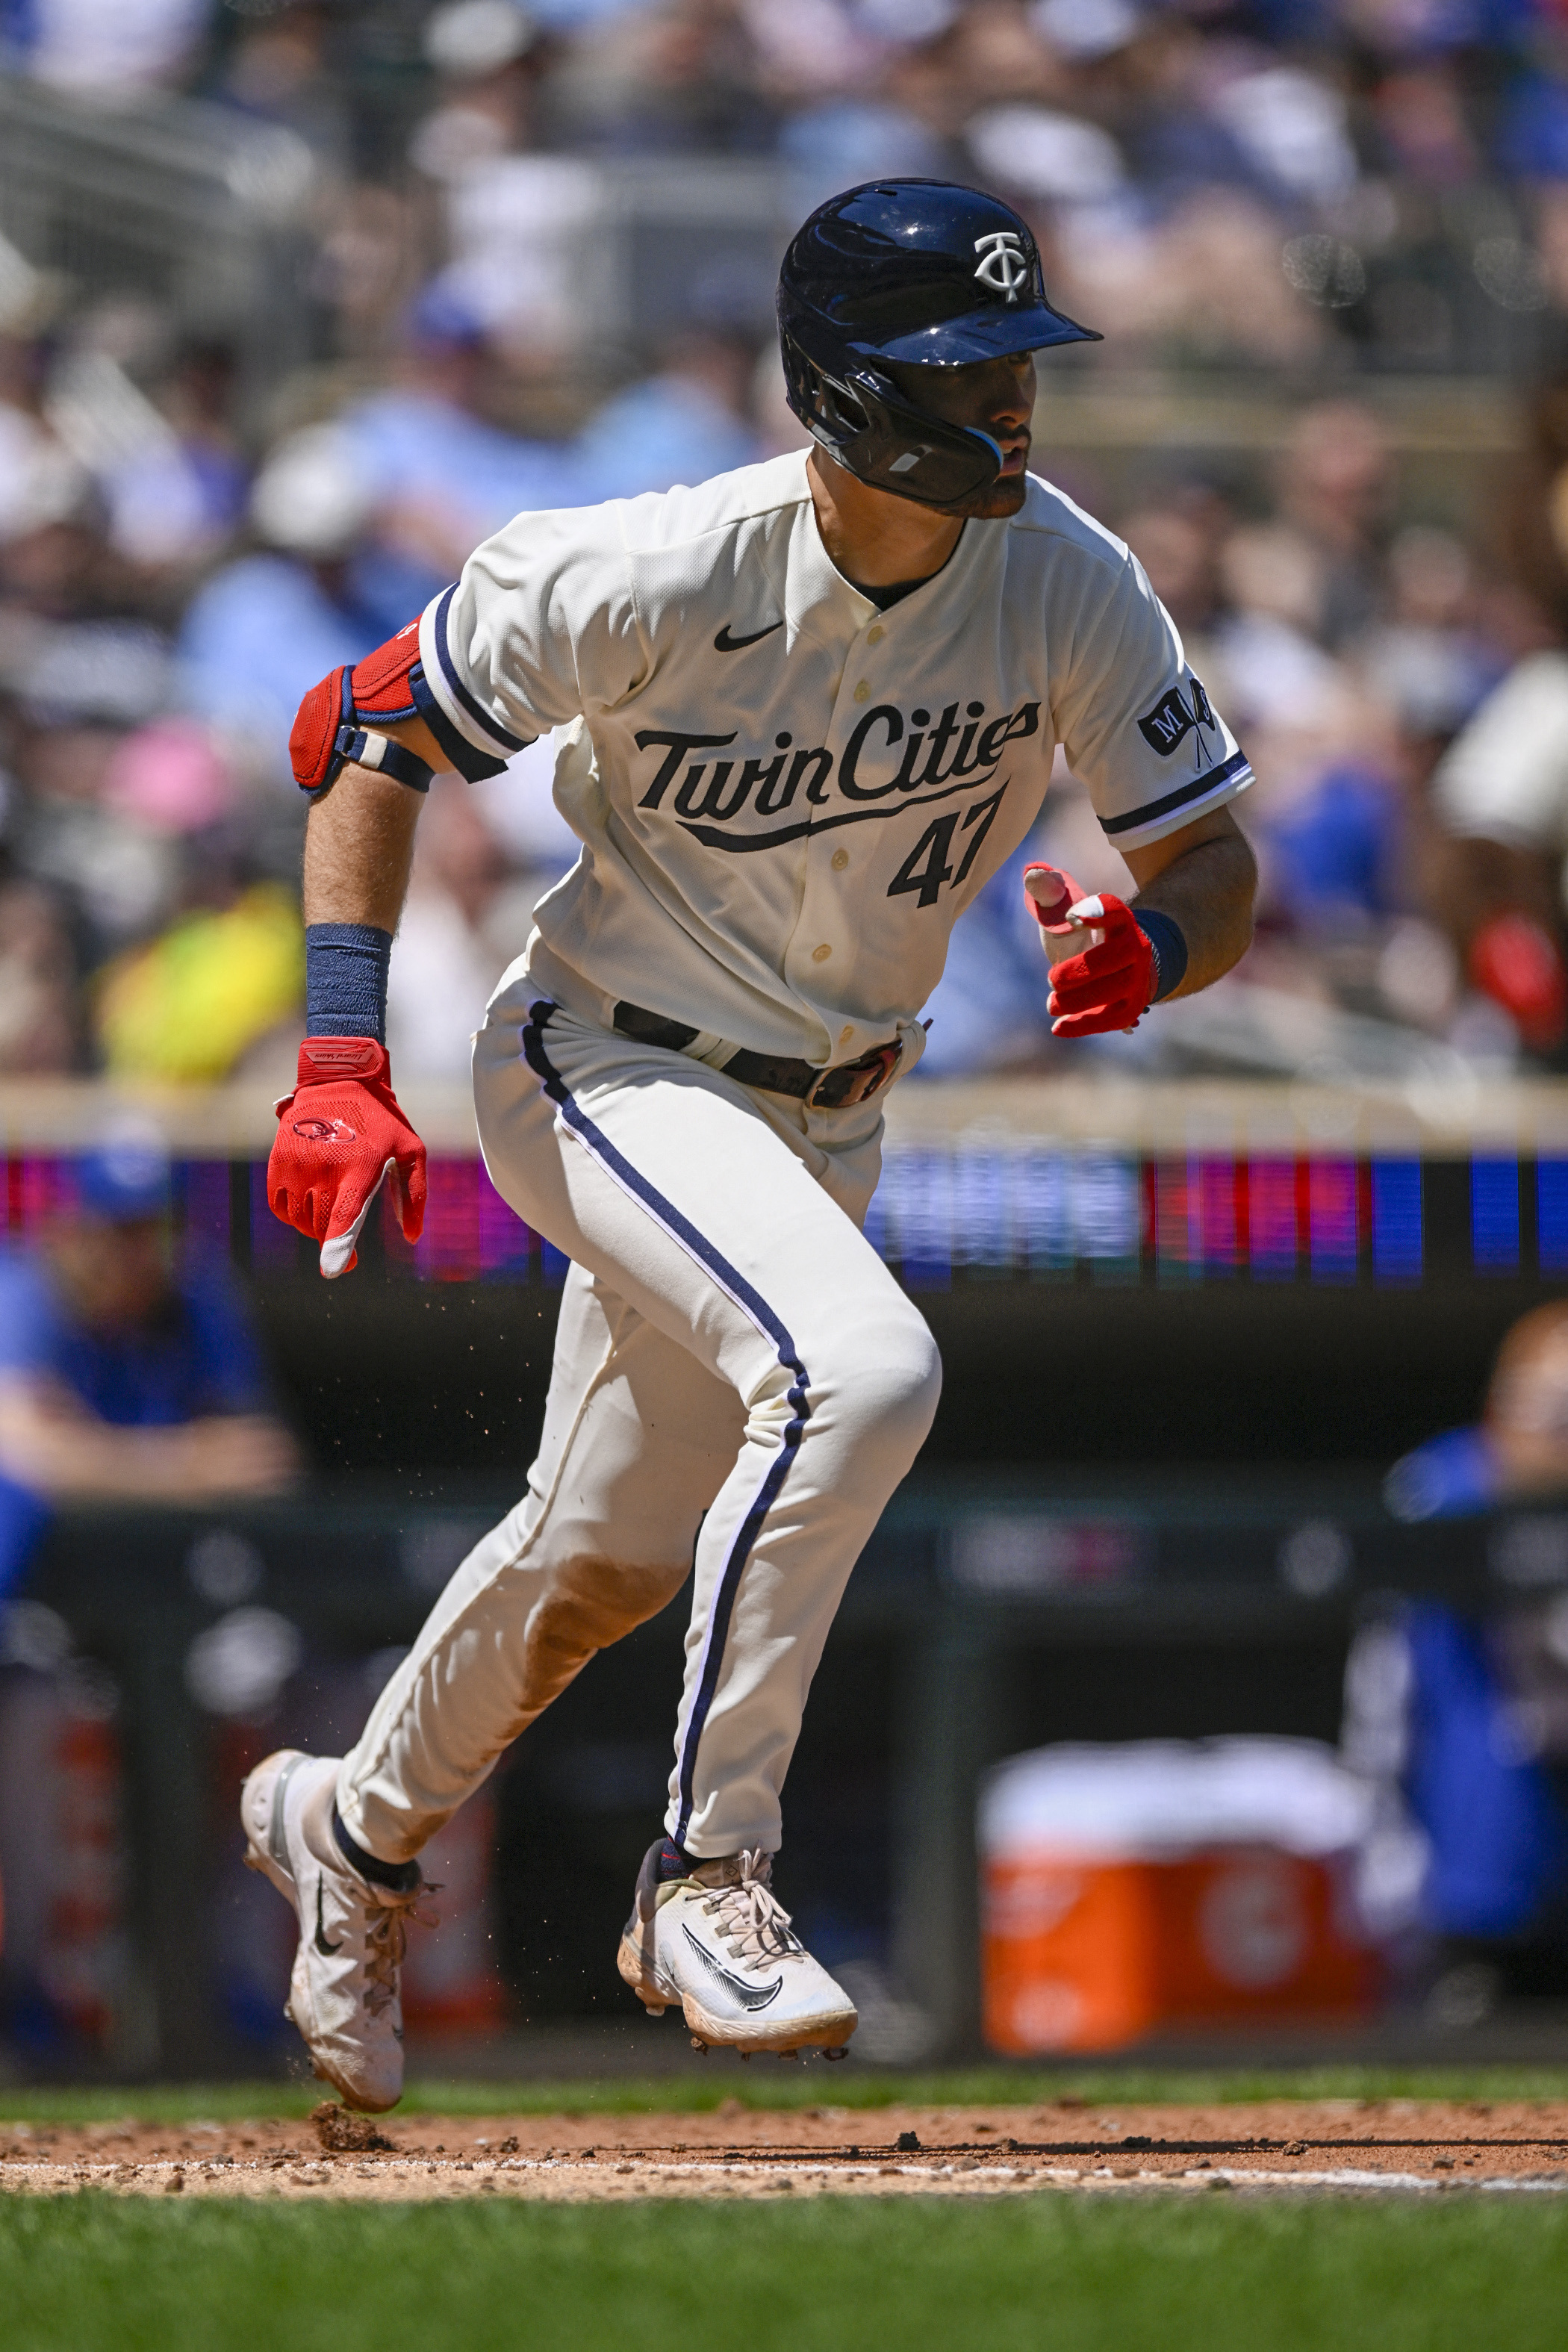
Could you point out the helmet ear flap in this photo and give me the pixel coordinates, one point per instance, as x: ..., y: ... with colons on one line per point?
x: 839, y: 413
x: 843, y: 408
x: 826, y: 409
x: 860, y: 418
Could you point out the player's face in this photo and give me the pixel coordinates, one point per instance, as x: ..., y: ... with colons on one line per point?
x: 994, y: 397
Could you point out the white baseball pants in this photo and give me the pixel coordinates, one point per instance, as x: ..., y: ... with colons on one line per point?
x: 739, y: 1386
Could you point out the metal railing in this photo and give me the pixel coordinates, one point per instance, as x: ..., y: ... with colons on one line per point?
x: 183, y: 203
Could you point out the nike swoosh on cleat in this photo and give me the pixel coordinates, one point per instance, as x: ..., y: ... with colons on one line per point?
x: 749, y: 1995
x: 325, y: 1950
x: 725, y: 644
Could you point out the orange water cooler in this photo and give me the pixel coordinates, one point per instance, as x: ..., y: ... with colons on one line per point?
x: 1165, y: 1885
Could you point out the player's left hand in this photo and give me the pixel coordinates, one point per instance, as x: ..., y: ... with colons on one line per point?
x: 1109, y: 986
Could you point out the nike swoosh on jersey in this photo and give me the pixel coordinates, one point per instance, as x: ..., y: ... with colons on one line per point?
x: 725, y: 644
x: 325, y: 1950
x: 749, y: 1995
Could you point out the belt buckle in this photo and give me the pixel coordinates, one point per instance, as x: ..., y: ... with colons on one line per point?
x: 866, y: 1076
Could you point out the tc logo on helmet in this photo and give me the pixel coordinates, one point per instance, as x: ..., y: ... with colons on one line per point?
x: 1004, y: 268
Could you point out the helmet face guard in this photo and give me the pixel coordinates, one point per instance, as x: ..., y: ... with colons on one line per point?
x: 920, y: 273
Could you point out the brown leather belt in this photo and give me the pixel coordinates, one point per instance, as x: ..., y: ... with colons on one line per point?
x: 831, y: 1089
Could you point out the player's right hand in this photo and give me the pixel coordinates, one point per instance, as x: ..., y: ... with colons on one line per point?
x: 339, y: 1134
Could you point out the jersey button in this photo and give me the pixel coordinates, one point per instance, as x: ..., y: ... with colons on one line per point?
x: 874, y: 636
x: 821, y: 954
x: 862, y: 691
x: 840, y: 860
x: 845, y: 1036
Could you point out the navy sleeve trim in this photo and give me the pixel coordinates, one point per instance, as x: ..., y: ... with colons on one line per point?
x: 1199, y: 789
x: 473, y: 709
x: 463, y: 757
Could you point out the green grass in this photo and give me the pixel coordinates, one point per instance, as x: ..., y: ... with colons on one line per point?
x: 767, y: 2084
x: 1208, y: 2273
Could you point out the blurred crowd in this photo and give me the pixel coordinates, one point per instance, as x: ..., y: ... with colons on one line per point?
x: 190, y: 538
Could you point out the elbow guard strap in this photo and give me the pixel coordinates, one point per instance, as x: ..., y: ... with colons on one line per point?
x: 365, y: 749
x: 337, y: 720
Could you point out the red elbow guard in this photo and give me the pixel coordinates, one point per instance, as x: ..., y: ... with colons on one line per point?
x: 389, y: 685
x: 323, y: 715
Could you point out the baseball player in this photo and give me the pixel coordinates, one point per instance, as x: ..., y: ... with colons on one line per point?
x: 810, y: 708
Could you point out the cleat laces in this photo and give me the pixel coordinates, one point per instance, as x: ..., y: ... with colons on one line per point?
x: 386, y: 1938
x: 750, y: 1921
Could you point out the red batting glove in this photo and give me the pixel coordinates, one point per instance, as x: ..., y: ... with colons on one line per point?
x: 1109, y: 986
x: 1515, y: 961
x: 1050, y: 891
x: 339, y: 1134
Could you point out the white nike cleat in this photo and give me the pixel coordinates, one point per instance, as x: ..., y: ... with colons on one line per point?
x: 719, y: 1946
x: 344, y: 1995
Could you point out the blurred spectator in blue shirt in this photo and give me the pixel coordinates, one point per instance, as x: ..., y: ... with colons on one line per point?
x: 266, y: 627
x: 843, y: 139
x: 440, y: 477
x: 128, y: 1370
x: 683, y: 424
x: 116, y: 45
x: 1336, y: 847
x: 1519, y: 1448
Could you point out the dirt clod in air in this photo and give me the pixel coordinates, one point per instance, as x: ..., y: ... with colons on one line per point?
x: 342, y: 2133
x: 908, y: 2142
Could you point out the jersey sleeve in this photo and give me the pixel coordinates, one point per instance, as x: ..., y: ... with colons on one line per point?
x: 1137, y: 728
x: 1505, y: 776
x: 540, y: 628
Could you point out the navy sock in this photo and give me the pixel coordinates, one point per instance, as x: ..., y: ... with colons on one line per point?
x: 400, y: 1876
x: 674, y: 1862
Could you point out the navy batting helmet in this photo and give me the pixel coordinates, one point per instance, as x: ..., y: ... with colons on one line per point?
x: 918, y: 271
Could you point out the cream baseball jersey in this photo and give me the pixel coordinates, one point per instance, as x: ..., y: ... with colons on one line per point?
x: 786, y: 795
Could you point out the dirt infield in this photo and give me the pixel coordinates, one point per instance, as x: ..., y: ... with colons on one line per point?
x: 738, y: 2151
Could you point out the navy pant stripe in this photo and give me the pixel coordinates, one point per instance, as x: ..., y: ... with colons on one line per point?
x: 756, y: 1310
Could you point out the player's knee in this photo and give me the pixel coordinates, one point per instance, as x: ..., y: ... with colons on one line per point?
x: 890, y: 1381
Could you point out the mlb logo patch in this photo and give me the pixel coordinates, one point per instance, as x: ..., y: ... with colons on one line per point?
x: 1173, y: 719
